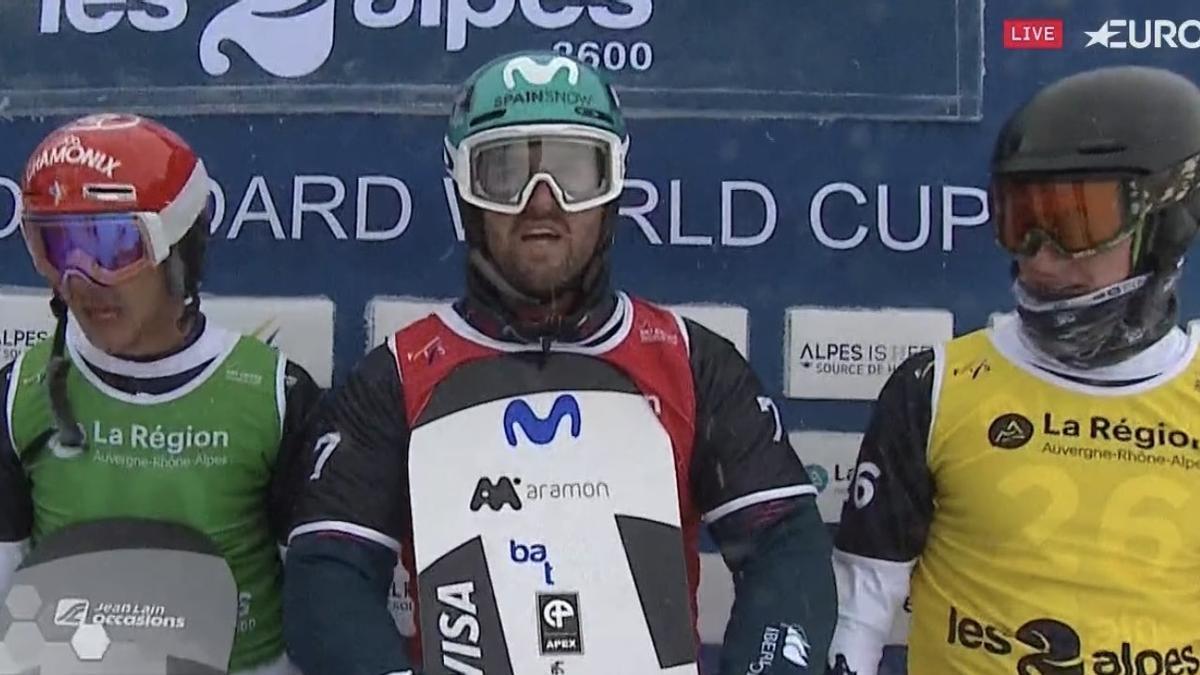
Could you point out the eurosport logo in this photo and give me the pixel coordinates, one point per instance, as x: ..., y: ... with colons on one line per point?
x: 1112, y: 34
x: 294, y: 38
x: 1145, y: 34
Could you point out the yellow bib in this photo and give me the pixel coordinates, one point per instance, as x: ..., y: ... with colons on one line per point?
x: 1066, y: 535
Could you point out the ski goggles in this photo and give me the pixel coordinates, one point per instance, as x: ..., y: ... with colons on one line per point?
x: 108, y: 248
x: 1078, y: 217
x: 499, y: 169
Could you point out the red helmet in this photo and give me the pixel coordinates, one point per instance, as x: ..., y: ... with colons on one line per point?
x: 108, y: 195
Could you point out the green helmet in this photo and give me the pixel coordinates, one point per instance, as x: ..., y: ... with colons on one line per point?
x: 536, y: 104
x: 534, y: 87
x: 524, y: 119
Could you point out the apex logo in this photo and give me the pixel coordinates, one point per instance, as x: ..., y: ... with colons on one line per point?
x: 559, y: 628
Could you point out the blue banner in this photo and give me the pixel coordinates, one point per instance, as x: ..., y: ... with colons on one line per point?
x: 775, y: 58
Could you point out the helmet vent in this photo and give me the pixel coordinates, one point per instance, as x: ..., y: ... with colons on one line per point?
x: 488, y: 117
x: 1101, y: 146
x: 109, y: 192
x: 594, y: 114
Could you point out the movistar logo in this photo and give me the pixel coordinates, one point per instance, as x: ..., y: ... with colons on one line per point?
x: 539, y: 73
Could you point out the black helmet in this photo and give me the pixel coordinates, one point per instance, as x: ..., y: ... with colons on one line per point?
x: 1125, y: 118
x: 1135, y: 131
x: 1134, y: 123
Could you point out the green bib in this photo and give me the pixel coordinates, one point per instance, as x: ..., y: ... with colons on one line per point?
x: 201, y: 455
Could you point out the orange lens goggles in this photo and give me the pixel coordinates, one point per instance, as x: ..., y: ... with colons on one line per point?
x: 1078, y: 217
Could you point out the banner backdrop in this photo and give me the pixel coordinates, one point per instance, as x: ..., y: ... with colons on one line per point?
x: 806, y: 178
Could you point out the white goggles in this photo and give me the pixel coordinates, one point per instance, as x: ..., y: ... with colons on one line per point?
x: 498, y: 169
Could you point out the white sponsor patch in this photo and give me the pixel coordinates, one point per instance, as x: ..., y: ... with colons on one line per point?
x: 849, y: 353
